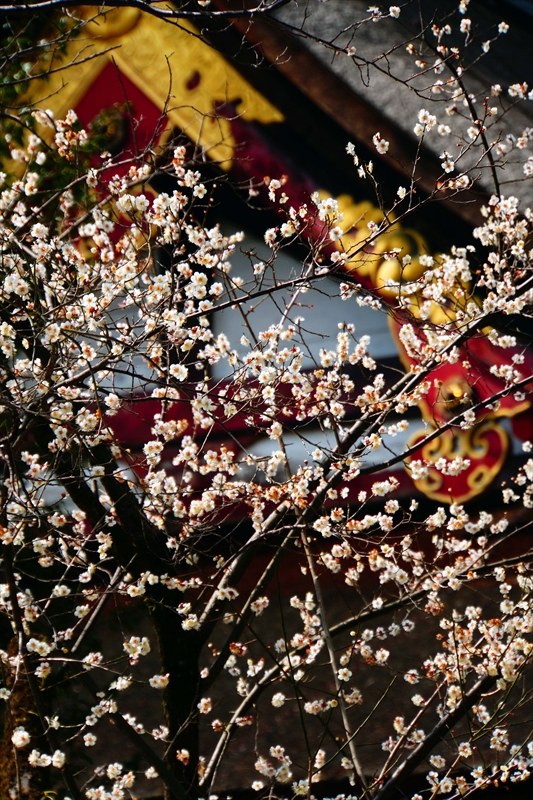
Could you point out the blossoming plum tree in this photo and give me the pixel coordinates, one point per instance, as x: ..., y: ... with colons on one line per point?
x: 210, y: 566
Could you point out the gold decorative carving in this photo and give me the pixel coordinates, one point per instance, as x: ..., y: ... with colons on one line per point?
x: 111, y: 23
x: 473, y: 444
x: 370, y: 263
x: 486, y: 444
x: 171, y: 65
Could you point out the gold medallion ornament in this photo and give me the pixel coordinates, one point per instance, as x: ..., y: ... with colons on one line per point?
x: 484, y: 447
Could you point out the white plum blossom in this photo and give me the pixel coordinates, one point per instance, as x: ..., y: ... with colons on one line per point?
x: 159, y: 681
x: 20, y: 737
